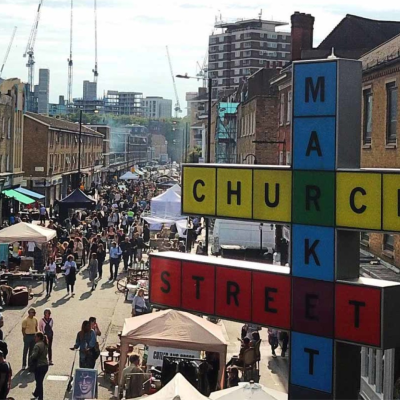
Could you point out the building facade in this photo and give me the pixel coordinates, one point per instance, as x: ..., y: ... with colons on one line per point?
x: 242, y: 48
x: 157, y: 107
x: 51, y: 158
x: 89, y: 90
x: 123, y: 103
x: 42, y: 92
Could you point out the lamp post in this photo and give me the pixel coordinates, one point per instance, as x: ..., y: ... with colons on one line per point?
x: 208, y: 153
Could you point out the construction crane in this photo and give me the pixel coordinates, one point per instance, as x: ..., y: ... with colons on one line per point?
x: 30, y: 47
x: 95, y: 71
x: 203, y: 70
x: 70, y: 62
x: 8, y: 50
x: 177, y: 104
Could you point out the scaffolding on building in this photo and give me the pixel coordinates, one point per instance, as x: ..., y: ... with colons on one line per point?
x: 226, y: 133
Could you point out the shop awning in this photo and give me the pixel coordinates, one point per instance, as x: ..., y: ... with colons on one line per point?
x: 18, y: 196
x: 29, y: 193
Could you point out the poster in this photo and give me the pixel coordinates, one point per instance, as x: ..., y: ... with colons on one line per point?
x: 85, y: 384
x: 156, y: 354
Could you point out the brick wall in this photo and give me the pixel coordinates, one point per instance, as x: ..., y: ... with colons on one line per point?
x: 35, y: 149
x: 378, y: 154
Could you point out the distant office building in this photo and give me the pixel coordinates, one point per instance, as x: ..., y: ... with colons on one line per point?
x: 42, y: 92
x: 189, y: 97
x: 157, y: 107
x: 89, y: 90
x: 56, y: 110
x: 242, y: 49
x: 123, y: 103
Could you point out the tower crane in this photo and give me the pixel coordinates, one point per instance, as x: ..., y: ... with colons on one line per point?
x: 8, y: 50
x: 203, y: 70
x: 177, y: 104
x: 95, y: 71
x: 70, y: 62
x: 30, y: 47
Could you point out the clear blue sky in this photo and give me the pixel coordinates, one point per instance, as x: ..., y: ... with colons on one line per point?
x: 133, y: 35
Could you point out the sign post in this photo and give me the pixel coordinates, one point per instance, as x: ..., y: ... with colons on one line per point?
x: 326, y: 199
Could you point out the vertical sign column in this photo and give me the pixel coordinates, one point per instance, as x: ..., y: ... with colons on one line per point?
x: 317, y: 120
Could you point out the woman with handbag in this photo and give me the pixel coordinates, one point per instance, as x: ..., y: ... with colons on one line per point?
x: 70, y: 273
x: 38, y: 363
x: 46, y: 327
x: 86, y: 343
x: 50, y: 275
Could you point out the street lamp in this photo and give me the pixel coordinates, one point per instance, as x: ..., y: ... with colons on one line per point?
x: 208, y: 155
x: 79, y: 145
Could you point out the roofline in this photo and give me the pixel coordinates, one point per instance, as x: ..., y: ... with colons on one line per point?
x: 377, y: 47
x: 373, y: 20
x: 222, y: 24
x: 37, y: 120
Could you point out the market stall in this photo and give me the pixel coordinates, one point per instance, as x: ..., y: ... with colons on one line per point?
x: 173, y: 329
x: 248, y: 390
x: 129, y: 176
x: 24, y: 232
x: 177, y: 388
x: 166, y: 205
x: 76, y: 200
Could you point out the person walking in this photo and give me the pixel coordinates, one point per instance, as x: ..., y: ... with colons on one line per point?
x: 29, y: 328
x: 115, y: 258
x: 51, y: 272
x: 5, y: 376
x: 70, y: 274
x: 93, y: 269
x: 126, y: 247
x: 46, y: 327
x: 86, y: 342
x: 38, y: 359
x: 101, y: 257
x: 273, y: 340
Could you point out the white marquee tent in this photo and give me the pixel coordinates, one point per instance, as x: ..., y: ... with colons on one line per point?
x: 177, y: 389
x: 166, y: 205
x: 176, y: 188
x: 129, y: 176
x: 24, y: 232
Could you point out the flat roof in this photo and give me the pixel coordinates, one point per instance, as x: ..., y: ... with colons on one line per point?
x: 238, y: 22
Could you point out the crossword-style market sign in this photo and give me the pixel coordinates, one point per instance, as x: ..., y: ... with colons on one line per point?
x: 326, y: 199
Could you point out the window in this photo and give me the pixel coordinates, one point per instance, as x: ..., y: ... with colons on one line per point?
x: 273, y: 45
x: 367, y: 120
x: 283, y: 37
x: 283, y: 45
x: 220, y: 73
x: 237, y: 45
x: 247, y: 45
x: 246, y: 71
x: 281, y: 158
x: 282, y: 110
x: 247, y: 35
x: 237, y: 53
x: 7, y: 162
x: 237, y: 71
x: 221, y: 47
x: 9, y: 129
x: 247, y: 54
x: 289, y: 108
x: 261, y: 35
x: 220, y: 56
x: 271, y: 53
x: 221, y: 39
x: 246, y: 62
x: 238, y: 36
x: 213, y: 40
x: 220, y: 65
x: 236, y: 80
x: 364, y: 237
x: 261, y: 62
x: 272, y: 36
x: 212, y: 57
x: 288, y: 158
x: 388, y: 242
x: 391, y: 112
x: 237, y: 63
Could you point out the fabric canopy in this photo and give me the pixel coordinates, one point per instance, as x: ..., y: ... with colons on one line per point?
x: 176, y: 188
x: 176, y: 329
x: 156, y: 224
x: 18, y: 196
x: 29, y: 193
x: 166, y: 205
x: 129, y: 175
x: 177, y: 389
x: 248, y: 391
x: 77, y: 199
x: 26, y: 233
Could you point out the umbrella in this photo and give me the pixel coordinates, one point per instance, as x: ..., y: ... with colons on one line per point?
x: 248, y: 391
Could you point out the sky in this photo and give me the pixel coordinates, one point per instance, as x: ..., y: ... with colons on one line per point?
x: 133, y: 35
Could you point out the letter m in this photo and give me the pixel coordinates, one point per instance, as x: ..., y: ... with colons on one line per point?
x: 316, y: 90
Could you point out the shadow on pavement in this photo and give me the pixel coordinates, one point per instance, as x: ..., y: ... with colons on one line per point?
x: 280, y: 367
x: 61, y: 301
x: 21, y: 379
x: 85, y: 296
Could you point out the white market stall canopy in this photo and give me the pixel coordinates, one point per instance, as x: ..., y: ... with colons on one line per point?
x: 176, y: 329
x: 129, y: 176
x: 176, y: 188
x: 24, y: 232
x: 248, y: 391
x: 166, y: 205
x: 177, y: 389
x: 156, y: 224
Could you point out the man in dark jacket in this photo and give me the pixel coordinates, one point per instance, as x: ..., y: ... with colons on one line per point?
x: 126, y: 247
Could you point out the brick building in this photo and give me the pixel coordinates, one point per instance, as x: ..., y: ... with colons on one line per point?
x: 381, y: 77
x: 257, y: 120
x: 50, y: 155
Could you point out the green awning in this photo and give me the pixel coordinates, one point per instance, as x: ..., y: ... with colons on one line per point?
x: 18, y: 196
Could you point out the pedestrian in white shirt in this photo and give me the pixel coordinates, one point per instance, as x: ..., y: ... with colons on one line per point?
x: 31, y: 249
x: 51, y: 271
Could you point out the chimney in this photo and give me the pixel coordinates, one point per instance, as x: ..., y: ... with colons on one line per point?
x: 302, y: 33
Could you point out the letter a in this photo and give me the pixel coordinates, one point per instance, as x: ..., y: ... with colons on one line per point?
x: 313, y: 144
